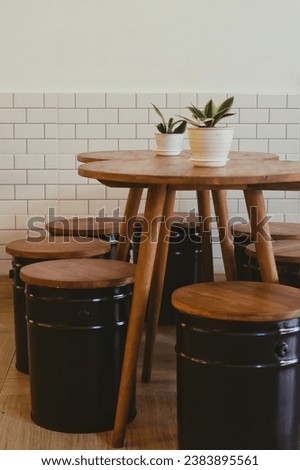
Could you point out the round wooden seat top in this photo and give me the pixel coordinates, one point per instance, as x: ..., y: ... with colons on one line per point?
x: 58, y: 247
x: 285, y: 251
x: 239, y: 301
x: 79, y: 273
x: 85, y: 226
x: 278, y: 230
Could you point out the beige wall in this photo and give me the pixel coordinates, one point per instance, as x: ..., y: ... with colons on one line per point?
x: 150, y: 46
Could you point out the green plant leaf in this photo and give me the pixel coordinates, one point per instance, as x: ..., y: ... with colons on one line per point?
x: 227, y: 104
x: 170, y: 125
x: 196, y: 112
x: 159, y: 113
x: 208, y: 110
x: 181, y: 128
x: 162, y: 128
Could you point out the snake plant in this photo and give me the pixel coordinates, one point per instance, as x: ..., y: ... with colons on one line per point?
x: 211, y: 114
x: 171, y: 126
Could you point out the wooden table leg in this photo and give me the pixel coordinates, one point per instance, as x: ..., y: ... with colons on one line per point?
x: 154, y: 208
x: 260, y: 233
x: 222, y: 214
x: 157, y: 286
x: 203, y: 199
x: 126, y: 227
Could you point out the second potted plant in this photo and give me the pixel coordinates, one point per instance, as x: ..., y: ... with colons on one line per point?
x: 209, y: 144
x: 170, y: 135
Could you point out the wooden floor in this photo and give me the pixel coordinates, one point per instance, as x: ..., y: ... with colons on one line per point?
x: 153, y: 428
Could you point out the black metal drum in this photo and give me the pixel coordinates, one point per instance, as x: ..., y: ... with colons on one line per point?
x: 238, y: 384
x: 76, y: 342
x: 20, y: 326
x: 184, y: 264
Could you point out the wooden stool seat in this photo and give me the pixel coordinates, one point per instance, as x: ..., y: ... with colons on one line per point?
x: 278, y: 230
x: 85, y: 226
x: 79, y: 273
x: 57, y: 247
x: 284, y: 251
x: 238, y: 301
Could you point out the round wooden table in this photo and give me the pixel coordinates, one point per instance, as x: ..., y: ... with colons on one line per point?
x: 163, y: 176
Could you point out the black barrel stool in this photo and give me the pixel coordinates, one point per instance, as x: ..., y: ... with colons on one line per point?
x: 105, y: 228
x: 287, y: 258
x: 77, y: 314
x: 238, y: 372
x: 32, y: 250
x: 242, y: 237
x: 184, y: 263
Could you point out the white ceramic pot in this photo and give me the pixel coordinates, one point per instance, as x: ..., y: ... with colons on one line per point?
x: 168, y: 144
x: 210, y: 146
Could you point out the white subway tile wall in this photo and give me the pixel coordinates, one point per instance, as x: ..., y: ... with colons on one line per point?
x: 41, y: 133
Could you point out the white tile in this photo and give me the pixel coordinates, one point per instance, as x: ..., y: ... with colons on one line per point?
x: 62, y: 191
x: 91, y: 191
x: 293, y: 100
x: 73, y: 207
x: 287, y: 116
x: 71, y: 177
x: 13, y: 177
x: 254, y: 116
x: 116, y: 131
x: 42, y: 115
x: 241, y: 131
x: 7, y: 236
x: 34, y: 191
x: 272, y: 101
x: 41, y: 146
x: 28, y: 100
x: 282, y: 206
x: 5, y: 267
x: 274, y: 194
x: 51, y: 131
x: 90, y: 131
x: 103, y: 116
x: 66, y: 131
x: 133, y: 115
x: 12, y: 146
x: 105, y: 144
x: 6, y: 162
x: 120, y: 100
x: 13, y: 207
x: 66, y: 161
x: 66, y: 100
x: 145, y: 131
x: 257, y: 145
x: 28, y: 131
x: 12, y: 115
x: 41, y: 207
x: 7, y: 191
x: 292, y: 131
x: 72, y: 116
x: 133, y: 144
x: 117, y: 193
x: 50, y: 100
x: 42, y: 176
x: 284, y: 146
x: 72, y: 146
x: 145, y: 100
x: 25, y: 221
x: 6, y: 100
x: 276, y: 131
x: 90, y: 100
x: 27, y: 161
x: 243, y: 100
x: 203, y: 98
x: 6, y: 131
x: 181, y: 100
x: 7, y: 222
x: 102, y: 204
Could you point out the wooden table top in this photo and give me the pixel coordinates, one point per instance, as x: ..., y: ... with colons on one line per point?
x: 89, y: 157
x: 178, y: 171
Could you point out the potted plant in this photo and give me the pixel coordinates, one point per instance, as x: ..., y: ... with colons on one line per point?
x: 170, y: 135
x: 209, y: 144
